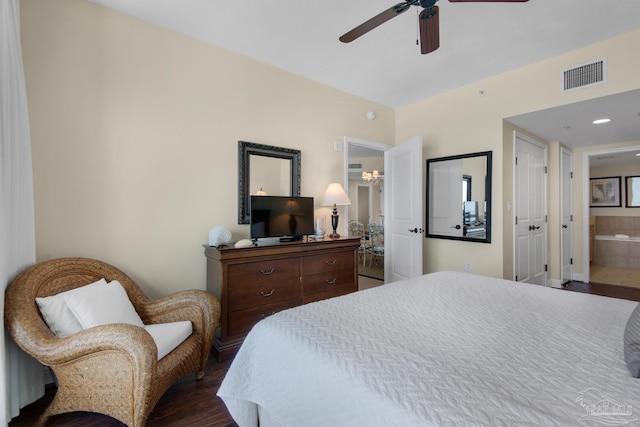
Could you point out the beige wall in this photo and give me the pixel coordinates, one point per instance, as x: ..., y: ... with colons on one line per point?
x: 135, y: 131
x: 463, y: 121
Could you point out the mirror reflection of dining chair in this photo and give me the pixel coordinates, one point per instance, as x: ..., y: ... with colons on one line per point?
x: 376, y: 243
x: 356, y: 229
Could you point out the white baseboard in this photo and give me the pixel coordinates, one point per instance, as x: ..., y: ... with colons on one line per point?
x: 555, y: 283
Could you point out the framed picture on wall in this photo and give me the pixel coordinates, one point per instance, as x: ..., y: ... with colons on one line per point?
x: 605, y: 192
x: 632, y: 187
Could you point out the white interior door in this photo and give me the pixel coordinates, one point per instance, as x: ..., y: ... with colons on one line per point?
x: 530, y: 208
x: 445, y: 201
x: 403, y: 211
x: 566, y: 230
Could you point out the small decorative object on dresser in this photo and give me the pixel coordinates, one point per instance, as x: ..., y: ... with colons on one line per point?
x: 254, y: 282
x: 219, y: 236
x: 319, y: 235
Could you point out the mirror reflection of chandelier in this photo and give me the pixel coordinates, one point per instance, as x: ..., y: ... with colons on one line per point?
x: 375, y: 177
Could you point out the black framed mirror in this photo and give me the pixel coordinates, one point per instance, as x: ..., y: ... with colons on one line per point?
x: 273, y: 171
x: 459, y: 197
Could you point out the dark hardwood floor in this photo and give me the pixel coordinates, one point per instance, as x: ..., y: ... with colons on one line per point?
x: 195, y: 404
x: 614, y: 291
x: 188, y: 403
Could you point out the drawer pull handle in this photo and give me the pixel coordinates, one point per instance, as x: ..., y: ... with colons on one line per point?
x: 264, y: 316
x: 332, y: 281
x: 268, y: 294
x: 266, y: 273
x: 333, y: 261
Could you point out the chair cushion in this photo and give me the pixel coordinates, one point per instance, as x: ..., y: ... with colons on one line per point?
x: 56, y: 312
x: 102, y: 305
x: 168, y: 336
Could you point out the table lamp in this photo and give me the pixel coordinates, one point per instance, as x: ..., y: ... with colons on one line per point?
x: 335, y: 196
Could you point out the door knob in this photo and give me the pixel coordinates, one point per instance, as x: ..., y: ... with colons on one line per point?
x: 415, y: 230
x: 457, y: 226
x: 564, y: 225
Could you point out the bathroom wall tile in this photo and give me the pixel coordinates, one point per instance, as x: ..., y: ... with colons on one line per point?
x: 601, y: 250
x: 636, y: 225
x: 623, y: 225
x: 618, y: 248
x: 634, y: 250
x: 617, y: 261
x: 635, y: 264
x: 604, y: 225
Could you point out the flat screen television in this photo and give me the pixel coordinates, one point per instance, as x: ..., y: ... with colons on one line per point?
x: 288, y: 218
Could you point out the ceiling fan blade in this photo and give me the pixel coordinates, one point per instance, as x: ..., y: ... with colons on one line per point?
x: 374, y: 22
x: 429, y: 29
x: 488, y: 1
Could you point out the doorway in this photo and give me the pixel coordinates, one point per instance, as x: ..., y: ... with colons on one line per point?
x: 362, y: 158
x: 603, y: 254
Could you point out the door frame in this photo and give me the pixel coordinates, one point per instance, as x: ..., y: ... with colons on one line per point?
x: 563, y: 152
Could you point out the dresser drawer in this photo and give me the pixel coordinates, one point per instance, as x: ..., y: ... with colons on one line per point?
x: 259, y: 291
x: 327, y: 281
x: 241, y: 322
x: 331, y: 261
x: 266, y: 271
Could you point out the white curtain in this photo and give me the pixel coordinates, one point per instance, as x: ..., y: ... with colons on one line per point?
x: 21, y: 377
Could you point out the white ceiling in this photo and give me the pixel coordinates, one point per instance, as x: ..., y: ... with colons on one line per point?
x: 477, y: 41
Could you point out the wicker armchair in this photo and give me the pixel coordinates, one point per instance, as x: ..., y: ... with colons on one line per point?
x: 109, y: 369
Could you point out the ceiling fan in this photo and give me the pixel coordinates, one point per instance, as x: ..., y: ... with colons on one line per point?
x: 428, y: 20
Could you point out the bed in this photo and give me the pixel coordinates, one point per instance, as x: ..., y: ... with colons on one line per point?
x: 442, y: 349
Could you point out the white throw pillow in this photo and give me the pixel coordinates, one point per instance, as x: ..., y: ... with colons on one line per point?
x: 102, y: 305
x: 57, y: 315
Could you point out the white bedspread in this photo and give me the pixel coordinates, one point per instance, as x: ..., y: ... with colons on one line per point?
x: 444, y: 349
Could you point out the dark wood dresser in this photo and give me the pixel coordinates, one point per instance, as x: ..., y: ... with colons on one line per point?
x: 255, y: 282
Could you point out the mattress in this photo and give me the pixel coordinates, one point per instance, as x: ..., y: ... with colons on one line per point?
x: 443, y: 349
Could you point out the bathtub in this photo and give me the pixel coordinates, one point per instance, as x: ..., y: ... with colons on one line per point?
x: 617, y: 251
x: 623, y: 238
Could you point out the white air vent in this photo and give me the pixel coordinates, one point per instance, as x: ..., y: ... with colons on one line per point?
x: 355, y: 167
x: 584, y: 75
x: 355, y: 170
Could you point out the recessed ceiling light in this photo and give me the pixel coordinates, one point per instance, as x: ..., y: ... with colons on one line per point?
x: 601, y: 121
x: 637, y: 154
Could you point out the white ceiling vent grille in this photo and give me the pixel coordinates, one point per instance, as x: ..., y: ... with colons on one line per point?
x: 355, y: 170
x: 584, y: 75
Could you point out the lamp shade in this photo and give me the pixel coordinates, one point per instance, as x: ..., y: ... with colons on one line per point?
x: 335, y: 195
